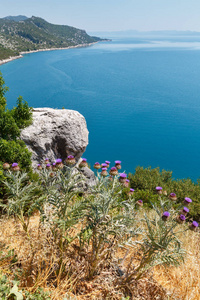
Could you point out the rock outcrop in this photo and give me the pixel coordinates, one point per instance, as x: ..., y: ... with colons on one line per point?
x: 55, y: 133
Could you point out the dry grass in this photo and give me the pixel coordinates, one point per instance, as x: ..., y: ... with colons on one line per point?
x: 40, y: 269
x: 183, y: 282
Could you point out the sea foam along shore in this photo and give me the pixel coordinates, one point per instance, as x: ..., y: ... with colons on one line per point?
x: 4, y: 61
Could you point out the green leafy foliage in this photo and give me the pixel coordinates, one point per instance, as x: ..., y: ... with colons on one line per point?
x: 12, y: 149
x: 22, y: 113
x: 40, y: 294
x: 3, y: 90
x: 144, y: 181
x: 15, y: 151
x: 8, y: 127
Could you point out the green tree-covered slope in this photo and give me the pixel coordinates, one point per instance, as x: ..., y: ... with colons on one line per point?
x: 35, y: 33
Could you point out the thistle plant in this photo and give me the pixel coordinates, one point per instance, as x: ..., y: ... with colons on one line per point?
x: 159, y: 244
x: 107, y: 223
x: 21, y: 198
x: 64, y: 205
x: 64, y: 208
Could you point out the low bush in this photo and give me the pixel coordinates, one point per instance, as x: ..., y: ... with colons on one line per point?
x: 144, y: 181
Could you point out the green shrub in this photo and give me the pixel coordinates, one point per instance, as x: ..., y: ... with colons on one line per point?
x: 12, y: 149
x: 144, y: 181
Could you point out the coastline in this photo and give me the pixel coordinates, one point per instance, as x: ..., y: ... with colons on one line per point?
x: 4, y: 61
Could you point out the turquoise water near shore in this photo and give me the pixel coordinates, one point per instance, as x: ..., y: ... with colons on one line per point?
x: 140, y: 97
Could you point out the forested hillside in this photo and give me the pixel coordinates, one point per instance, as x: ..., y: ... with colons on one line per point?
x: 35, y: 33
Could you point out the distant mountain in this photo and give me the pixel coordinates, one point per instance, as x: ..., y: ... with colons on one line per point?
x: 136, y: 33
x: 35, y: 33
x: 16, y: 18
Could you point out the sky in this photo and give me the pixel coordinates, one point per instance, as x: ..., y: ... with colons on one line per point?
x: 110, y: 15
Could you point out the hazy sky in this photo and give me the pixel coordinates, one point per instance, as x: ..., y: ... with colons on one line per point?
x: 111, y: 15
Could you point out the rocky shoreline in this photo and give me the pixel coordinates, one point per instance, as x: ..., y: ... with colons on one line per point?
x: 4, y: 61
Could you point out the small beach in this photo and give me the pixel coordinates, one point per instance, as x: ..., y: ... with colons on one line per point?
x: 4, y: 61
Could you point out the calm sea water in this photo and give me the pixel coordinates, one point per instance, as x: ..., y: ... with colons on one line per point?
x: 140, y: 98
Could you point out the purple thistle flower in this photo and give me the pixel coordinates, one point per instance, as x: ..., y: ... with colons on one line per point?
x: 195, y: 224
x: 97, y: 165
x: 165, y: 216
x: 185, y: 209
x: 181, y: 219
x: 83, y: 163
x: 104, y: 165
x: 39, y: 167
x: 46, y: 159
x: 126, y: 183
x: 107, y: 162
x: 14, y: 165
x: 48, y: 166
x: 187, y: 201
x: 118, y: 162
x: 104, y: 172
x: 173, y: 195
x: 130, y: 192
x: 113, y: 171
x: 55, y: 166
x: 123, y: 175
x: 70, y: 160
x: 139, y: 203
x: 58, y: 161
x: 158, y: 188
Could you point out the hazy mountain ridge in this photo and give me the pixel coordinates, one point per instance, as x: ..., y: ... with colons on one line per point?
x: 136, y: 33
x: 16, y: 18
x: 18, y: 34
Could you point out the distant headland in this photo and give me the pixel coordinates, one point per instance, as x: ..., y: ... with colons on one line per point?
x: 20, y: 35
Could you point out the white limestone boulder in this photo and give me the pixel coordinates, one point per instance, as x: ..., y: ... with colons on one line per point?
x: 55, y: 133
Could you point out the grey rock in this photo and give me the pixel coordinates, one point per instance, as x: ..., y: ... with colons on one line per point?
x: 89, y: 175
x: 55, y: 133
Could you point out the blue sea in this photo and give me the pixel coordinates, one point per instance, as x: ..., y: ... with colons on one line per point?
x: 140, y: 97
